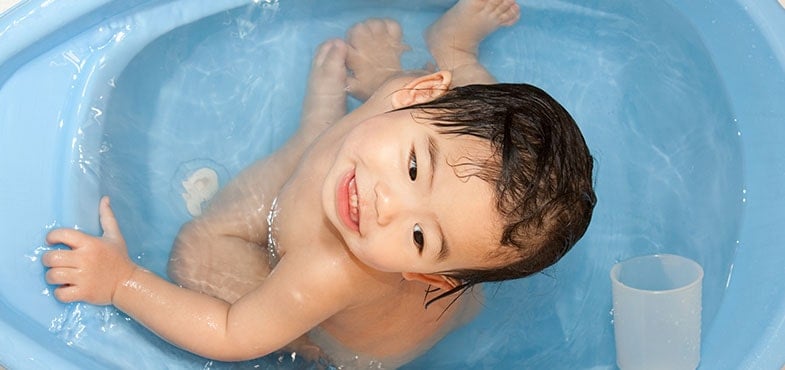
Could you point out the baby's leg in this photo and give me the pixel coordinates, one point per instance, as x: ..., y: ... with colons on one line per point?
x: 454, y: 39
x: 375, y: 48
x: 225, y: 267
x: 325, y: 98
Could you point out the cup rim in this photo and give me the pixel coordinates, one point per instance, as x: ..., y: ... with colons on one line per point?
x: 614, y: 274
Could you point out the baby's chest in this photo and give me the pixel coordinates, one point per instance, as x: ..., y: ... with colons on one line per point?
x: 395, y: 329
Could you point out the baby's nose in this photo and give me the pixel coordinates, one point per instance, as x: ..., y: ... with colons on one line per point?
x: 388, y: 204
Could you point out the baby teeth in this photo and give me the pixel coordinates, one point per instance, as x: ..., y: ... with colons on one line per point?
x: 353, y: 211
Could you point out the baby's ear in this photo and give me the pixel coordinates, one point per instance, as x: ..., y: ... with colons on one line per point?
x: 445, y: 283
x: 422, y: 89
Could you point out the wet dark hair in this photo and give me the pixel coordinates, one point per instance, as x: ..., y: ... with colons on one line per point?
x: 541, y: 171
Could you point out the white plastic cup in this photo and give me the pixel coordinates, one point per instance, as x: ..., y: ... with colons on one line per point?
x: 657, y: 312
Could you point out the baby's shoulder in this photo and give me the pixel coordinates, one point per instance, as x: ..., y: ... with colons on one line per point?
x: 326, y: 262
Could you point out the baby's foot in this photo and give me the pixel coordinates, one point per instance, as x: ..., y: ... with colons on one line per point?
x: 454, y: 38
x: 375, y: 48
x: 325, y: 99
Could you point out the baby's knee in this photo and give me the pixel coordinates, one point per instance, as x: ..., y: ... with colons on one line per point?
x: 182, y: 267
x: 187, y: 273
x: 181, y: 271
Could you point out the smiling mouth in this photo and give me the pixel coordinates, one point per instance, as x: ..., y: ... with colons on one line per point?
x: 348, y: 202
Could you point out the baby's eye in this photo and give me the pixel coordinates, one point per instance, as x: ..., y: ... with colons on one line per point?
x: 419, y: 238
x: 412, y: 165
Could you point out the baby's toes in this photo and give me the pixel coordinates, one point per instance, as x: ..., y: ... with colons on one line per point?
x: 335, y: 59
x: 393, y: 29
x: 506, y: 12
x: 330, y: 54
x: 361, y: 33
x: 377, y: 27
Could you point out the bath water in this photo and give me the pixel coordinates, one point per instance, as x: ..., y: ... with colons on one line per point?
x: 224, y: 91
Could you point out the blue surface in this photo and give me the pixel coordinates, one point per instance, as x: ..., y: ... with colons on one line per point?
x: 680, y: 102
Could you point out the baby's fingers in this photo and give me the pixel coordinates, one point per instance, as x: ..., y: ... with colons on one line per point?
x: 70, y: 237
x: 59, y: 258
x: 60, y: 276
x: 68, y: 293
x: 72, y: 286
x: 108, y: 220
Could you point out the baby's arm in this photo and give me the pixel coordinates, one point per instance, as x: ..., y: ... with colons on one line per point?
x: 98, y: 271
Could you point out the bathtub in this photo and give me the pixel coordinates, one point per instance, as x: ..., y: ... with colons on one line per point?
x: 681, y: 102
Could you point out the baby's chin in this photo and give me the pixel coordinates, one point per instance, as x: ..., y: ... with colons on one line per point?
x: 375, y: 262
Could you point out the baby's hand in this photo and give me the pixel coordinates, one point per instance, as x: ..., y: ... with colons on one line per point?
x: 94, y: 267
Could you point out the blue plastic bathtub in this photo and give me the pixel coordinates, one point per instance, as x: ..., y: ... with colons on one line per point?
x: 681, y: 102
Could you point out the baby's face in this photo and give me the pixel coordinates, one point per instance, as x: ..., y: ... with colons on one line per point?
x: 395, y: 196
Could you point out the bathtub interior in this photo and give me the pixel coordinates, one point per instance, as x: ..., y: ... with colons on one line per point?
x: 144, y: 93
